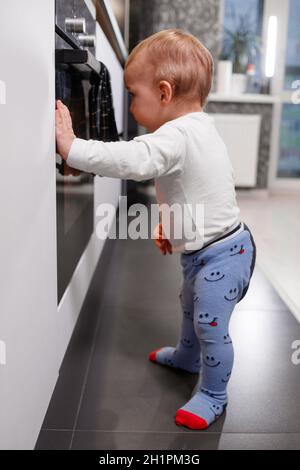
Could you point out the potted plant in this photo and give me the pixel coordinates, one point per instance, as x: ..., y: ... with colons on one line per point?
x: 240, y: 45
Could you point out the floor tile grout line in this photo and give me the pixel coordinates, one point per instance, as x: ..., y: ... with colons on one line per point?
x: 101, y: 310
x: 174, y: 432
x: 86, y: 374
x: 284, y: 296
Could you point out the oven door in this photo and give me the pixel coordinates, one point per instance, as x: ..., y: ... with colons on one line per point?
x: 74, y: 190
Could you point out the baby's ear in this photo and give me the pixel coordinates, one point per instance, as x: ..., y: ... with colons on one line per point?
x: 166, y: 92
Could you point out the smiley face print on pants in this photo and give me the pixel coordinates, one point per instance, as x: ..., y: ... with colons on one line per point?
x: 186, y: 343
x: 237, y: 250
x: 226, y: 378
x: 207, y: 319
x: 169, y: 362
x: 227, y: 339
x: 211, y: 361
x: 231, y: 295
x: 188, y: 315
x: 198, y: 362
x: 216, y: 409
x: 214, y: 276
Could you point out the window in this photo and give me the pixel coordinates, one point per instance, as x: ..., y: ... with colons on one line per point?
x: 292, y: 56
x: 289, y: 161
x: 289, y: 145
x: 242, y: 16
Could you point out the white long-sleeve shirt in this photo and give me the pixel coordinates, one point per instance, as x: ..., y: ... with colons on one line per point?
x: 190, y: 165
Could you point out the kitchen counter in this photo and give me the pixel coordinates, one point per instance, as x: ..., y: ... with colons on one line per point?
x: 250, y: 104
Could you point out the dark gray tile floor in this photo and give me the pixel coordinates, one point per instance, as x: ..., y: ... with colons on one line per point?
x: 109, y: 396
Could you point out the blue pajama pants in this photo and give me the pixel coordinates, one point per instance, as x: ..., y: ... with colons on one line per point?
x: 215, y: 279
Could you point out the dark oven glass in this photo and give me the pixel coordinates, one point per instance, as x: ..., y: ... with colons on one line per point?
x: 74, y: 193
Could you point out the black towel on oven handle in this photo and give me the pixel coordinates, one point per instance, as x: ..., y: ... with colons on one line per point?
x: 102, y: 117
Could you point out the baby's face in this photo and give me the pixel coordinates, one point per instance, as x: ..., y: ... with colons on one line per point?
x: 145, y: 98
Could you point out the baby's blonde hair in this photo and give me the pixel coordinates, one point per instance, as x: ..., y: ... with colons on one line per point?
x: 181, y: 59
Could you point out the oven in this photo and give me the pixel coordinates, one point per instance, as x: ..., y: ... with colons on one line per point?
x: 74, y: 61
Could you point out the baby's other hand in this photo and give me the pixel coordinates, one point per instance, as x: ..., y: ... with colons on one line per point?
x: 63, y: 130
x: 162, y: 243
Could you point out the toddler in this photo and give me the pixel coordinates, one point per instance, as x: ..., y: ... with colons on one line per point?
x: 168, y: 76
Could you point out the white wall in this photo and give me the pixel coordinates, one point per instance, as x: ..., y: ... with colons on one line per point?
x: 34, y: 332
x: 28, y: 311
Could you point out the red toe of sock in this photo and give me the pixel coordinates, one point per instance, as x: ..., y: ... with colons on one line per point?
x: 185, y: 418
x: 152, y: 355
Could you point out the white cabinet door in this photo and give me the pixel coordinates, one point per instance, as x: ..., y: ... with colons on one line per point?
x: 240, y: 133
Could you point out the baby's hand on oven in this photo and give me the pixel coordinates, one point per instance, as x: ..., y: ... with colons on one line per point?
x: 63, y: 130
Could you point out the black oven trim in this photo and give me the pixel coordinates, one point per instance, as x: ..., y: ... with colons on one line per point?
x: 80, y: 58
x: 68, y: 39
